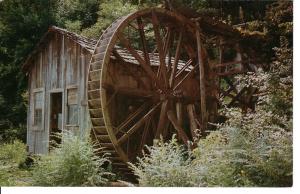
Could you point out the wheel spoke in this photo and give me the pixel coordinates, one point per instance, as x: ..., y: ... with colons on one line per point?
x: 179, y: 113
x: 117, y: 55
x: 201, y: 61
x: 193, y: 125
x: 177, y: 55
x: 181, y: 133
x: 187, y: 64
x: 137, y: 125
x: 130, y: 118
x: 162, y: 64
x: 162, y: 119
x: 167, y: 41
x: 190, y: 73
x: 135, y: 54
x: 143, y: 39
x: 144, y: 135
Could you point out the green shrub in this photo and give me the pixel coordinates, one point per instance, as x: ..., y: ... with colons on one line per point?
x: 249, y: 150
x: 166, y: 165
x: 14, y: 153
x: 11, y: 156
x: 71, y: 164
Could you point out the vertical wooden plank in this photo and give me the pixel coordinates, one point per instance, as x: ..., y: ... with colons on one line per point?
x: 28, y: 134
x: 193, y: 125
x: 87, y: 115
x: 41, y: 70
x: 201, y: 62
x: 66, y: 78
x: 54, y: 62
x: 63, y: 79
x: 80, y: 63
x: 59, y: 55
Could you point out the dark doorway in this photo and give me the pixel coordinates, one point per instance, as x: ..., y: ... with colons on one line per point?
x: 55, y: 119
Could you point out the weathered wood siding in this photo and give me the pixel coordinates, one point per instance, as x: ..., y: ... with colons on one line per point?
x: 59, y: 65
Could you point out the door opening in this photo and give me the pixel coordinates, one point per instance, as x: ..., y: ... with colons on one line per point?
x: 55, y: 119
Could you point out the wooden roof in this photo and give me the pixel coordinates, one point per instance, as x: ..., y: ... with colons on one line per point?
x: 209, y: 25
x: 89, y: 45
x: 86, y: 43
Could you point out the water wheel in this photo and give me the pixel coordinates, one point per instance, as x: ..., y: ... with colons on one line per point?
x: 149, y: 77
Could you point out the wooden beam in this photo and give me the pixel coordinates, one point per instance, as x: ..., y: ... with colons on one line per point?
x: 162, y: 65
x: 182, y: 134
x: 135, y: 54
x: 117, y: 55
x: 177, y: 55
x: 136, y: 126
x: 190, y: 73
x: 130, y: 118
x: 187, y: 64
x: 162, y: 119
x: 201, y: 62
x: 143, y: 39
x: 167, y: 42
x: 144, y: 135
x: 179, y: 113
x: 193, y: 125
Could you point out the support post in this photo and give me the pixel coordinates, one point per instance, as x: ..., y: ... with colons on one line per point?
x: 201, y: 62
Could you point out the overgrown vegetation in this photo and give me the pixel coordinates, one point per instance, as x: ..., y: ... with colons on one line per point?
x: 167, y: 165
x: 12, y: 158
x: 72, y: 163
x: 248, y: 150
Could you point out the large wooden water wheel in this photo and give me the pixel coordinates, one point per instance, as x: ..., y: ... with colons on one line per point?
x: 149, y: 77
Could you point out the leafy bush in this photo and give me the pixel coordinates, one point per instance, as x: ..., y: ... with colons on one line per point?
x: 11, y: 156
x: 249, y: 150
x: 71, y: 164
x: 14, y: 153
x: 167, y: 164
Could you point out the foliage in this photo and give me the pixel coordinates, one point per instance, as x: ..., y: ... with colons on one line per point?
x: 22, y: 23
x: 281, y: 80
x: 249, y: 150
x: 12, y: 155
x: 71, y: 164
x: 76, y: 15
x: 167, y: 164
x: 109, y: 11
x: 13, y: 133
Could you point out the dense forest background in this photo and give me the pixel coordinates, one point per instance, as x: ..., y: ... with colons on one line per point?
x: 22, y: 23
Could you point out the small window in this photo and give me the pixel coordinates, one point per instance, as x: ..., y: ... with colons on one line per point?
x: 72, y: 107
x: 73, y: 114
x: 38, y: 109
